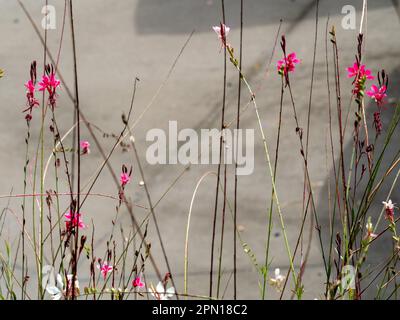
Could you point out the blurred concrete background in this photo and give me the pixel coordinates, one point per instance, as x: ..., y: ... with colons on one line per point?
x: 120, y: 40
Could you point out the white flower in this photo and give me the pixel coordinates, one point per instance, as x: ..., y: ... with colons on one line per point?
x: 217, y: 30
x: 388, y: 205
x: 370, y: 229
x: 161, y: 293
x: 56, y: 292
x: 278, y: 281
x: 54, y: 285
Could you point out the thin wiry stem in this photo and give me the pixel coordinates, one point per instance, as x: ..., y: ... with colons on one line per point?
x: 41, y: 252
x: 236, y: 155
x: 336, y: 196
x: 302, y: 267
x: 78, y: 133
x: 152, y: 210
x: 186, y: 257
x: 27, y: 139
x: 219, y: 165
x: 87, y: 124
x: 269, y: 229
x: 268, y: 162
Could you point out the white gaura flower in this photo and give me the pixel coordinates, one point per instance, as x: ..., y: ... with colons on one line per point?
x: 389, y: 208
x: 54, y: 285
x: 388, y: 205
x: 51, y: 283
x: 160, y: 292
x: 278, y: 280
x: 221, y: 30
x: 56, y: 292
x: 370, y: 229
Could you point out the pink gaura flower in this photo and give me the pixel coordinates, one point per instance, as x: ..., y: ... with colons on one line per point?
x: 85, y: 146
x: 105, y: 269
x: 30, y: 97
x: 30, y: 86
x: 125, y: 176
x: 360, y: 75
x: 378, y: 94
x: 389, y: 210
x: 74, y: 220
x: 222, y: 32
x: 31, y: 101
x: 288, y: 64
x: 359, y: 71
x: 124, y: 179
x: 49, y: 83
x: 137, y: 282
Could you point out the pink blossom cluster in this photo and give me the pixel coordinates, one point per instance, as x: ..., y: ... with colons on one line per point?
x: 73, y: 220
x: 105, y: 269
x: 31, y: 101
x: 48, y: 83
x: 360, y: 74
x: 137, y: 282
x: 378, y: 94
x: 287, y: 64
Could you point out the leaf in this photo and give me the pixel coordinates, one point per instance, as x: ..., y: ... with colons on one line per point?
x: 8, y: 250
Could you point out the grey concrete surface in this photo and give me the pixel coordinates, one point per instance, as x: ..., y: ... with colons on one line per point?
x: 120, y: 40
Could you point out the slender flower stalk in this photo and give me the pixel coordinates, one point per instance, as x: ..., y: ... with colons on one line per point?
x: 235, y: 63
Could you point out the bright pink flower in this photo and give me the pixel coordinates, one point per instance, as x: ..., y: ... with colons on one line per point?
x: 137, y: 282
x: 359, y: 71
x: 75, y: 222
x: 49, y: 83
x: 378, y: 94
x: 30, y: 98
x: 352, y: 71
x: 85, y: 146
x: 125, y: 178
x: 287, y: 64
x: 360, y: 75
x: 30, y: 86
x: 105, y: 269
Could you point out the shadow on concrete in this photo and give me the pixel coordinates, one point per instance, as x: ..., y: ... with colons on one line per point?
x: 182, y: 16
